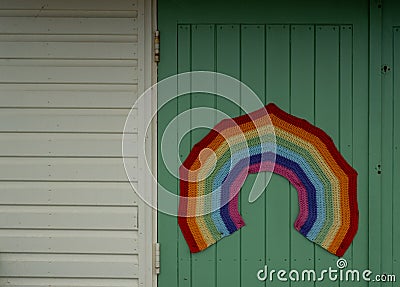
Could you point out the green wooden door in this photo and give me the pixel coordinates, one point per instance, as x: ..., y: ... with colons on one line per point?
x: 312, y: 59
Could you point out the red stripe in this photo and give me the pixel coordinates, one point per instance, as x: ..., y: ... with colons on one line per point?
x: 182, y: 220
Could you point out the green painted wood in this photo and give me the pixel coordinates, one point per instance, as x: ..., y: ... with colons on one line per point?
x: 360, y: 140
x: 277, y: 203
x: 375, y: 141
x: 256, y: 12
x: 396, y: 153
x: 390, y: 144
x: 319, y: 76
x: 301, y: 105
x: 228, y: 62
x: 203, y: 58
x: 167, y: 225
x: 253, y: 234
x: 387, y: 153
x: 346, y: 109
x: 183, y: 109
x: 327, y: 107
x: 390, y: 234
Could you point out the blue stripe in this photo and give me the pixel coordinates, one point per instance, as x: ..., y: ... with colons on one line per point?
x: 315, y: 189
x: 319, y: 188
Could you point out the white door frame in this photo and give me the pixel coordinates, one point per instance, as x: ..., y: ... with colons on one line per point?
x: 148, y: 218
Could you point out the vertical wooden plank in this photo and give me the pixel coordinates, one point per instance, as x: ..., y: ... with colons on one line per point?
x: 360, y: 144
x: 184, y: 60
x: 203, y: 59
x: 387, y: 156
x: 228, y: 62
x: 277, y: 201
x: 346, y: 109
x: 327, y: 107
x: 396, y: 152
x: 375, y: 138
x: 253, y: 234
x: 301, y: 105
x: 346, y: 100
x: 167, y: 224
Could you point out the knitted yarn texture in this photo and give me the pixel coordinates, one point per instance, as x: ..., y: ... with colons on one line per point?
x: 218, y: 165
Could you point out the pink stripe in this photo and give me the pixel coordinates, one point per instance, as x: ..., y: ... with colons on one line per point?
x: 296, y: 182
x: 278, y: 169
x: 233, y: 204
x: 301, y: 191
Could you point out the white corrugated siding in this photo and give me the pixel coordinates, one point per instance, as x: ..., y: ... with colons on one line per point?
x: 69, y: 73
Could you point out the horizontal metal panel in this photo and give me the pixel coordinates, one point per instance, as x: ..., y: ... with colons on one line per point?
x: 68, y: 95
x: 69, y: 13
x: 66, y: 169
x: 66, y: 144
x: 70, y: 38
x: 68, y: 78
x: 59, y: 25
x: 69, y: 5
x: 61, y: 63
x: 65, y: 120
x: 63, y: 241
x: 75, y: 50
x: 45, y: 74
x: 68, y: 217
x: 69, y: 193
x: 63, y: 265
x: 67, y: 282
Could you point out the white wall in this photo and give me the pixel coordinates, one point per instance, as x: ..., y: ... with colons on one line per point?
x: 69, y: 73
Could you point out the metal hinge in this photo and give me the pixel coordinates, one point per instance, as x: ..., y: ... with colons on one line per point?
x: 157, y: 257
x: 157, y: 46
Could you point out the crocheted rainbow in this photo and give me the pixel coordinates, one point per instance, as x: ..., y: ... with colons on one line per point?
x: 304, y: 154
